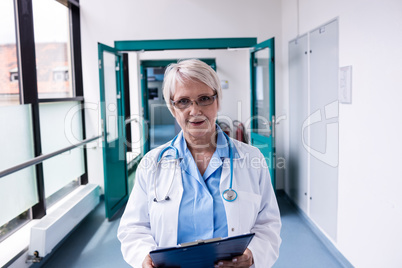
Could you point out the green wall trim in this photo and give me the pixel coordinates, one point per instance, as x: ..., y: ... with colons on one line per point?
x: 164, y: 63
x: 173, y: 44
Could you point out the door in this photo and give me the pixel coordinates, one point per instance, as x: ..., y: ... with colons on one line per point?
x: 323, y: 127
x: 262, y: 67
x: 112, y: 116
x: 298, y: 186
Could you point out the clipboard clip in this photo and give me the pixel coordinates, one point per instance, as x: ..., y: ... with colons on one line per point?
x: 200, y: 241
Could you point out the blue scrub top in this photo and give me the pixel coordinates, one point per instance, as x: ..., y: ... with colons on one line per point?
x: 202, y: 213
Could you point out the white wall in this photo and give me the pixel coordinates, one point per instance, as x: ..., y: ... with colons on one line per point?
x: 105, y: 22
x: 369, y: 201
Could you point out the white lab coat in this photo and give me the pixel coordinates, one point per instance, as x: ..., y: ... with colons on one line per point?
x: 146, y: 224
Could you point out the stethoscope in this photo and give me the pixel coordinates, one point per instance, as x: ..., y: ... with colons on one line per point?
x: 228, y: 195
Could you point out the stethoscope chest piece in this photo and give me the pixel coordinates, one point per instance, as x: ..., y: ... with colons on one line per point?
x: 229, y: 195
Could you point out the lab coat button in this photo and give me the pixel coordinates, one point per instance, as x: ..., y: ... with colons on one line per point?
x: 232, y: 229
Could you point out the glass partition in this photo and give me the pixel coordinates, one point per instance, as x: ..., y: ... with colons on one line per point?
x: 61, y: 127
x: 9, y: 71
x: 18, y: 190
x: 63, y: 170
x: 52, y: 48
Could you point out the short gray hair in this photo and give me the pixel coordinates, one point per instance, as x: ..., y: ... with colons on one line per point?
x: 189, y: 70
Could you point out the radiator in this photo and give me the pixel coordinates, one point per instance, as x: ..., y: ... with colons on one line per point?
x: 52, y: 228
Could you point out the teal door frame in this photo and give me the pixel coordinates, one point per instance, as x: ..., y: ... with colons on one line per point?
x: 114, y: 151
x: 264, y: 143
x: 165, y: 63
x: 179, y: 44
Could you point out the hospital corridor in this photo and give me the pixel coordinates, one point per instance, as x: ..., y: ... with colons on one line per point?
x: 200, y: 134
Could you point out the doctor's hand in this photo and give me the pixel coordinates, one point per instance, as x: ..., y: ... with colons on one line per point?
x: 147, y: 263
x: 245, y: 260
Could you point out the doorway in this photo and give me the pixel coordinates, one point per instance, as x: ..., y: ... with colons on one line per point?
x: 233, y: 102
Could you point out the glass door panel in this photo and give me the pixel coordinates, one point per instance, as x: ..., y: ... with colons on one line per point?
x: 262, y: 102
x: 110, y: 96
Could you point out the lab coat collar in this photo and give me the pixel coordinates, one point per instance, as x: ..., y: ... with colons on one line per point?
x: 222, y: 146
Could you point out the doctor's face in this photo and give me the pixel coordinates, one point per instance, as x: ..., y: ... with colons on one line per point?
x: 197, y: 121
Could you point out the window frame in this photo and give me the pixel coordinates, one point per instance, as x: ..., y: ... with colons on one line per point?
x: 26, y: 55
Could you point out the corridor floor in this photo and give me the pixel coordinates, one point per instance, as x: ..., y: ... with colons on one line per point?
x: 94, y: 243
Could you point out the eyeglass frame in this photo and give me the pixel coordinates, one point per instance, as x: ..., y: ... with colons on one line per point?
x: 192, y: 101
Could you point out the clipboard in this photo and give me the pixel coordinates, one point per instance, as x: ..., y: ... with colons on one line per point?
x: 201, y: 254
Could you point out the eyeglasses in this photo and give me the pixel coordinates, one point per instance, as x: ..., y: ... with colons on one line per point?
x: 186, y: 102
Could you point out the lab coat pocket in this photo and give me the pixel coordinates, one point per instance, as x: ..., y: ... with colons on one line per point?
x: 249, y: 206
x: 160, y: 214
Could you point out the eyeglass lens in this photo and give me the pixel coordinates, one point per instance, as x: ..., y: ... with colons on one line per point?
x: 201, y: 101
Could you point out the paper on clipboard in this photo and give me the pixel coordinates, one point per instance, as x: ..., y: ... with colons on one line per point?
x: 201, y: 254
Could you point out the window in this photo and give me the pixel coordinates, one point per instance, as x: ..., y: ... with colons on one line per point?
x: 54, y: 116
x: 60, y: 74
x: 9, y: 86
x: 36, y: 65
x: 14, y: 75
x: 18, y: 137
x: 53, y: 49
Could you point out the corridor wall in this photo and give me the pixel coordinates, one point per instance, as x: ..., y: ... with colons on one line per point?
x: 313, y: 92
x: 369, y: 200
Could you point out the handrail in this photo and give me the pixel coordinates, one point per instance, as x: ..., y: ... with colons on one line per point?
x: 42, y: 158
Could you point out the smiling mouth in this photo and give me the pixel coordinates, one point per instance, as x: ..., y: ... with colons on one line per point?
x: 196, y: 123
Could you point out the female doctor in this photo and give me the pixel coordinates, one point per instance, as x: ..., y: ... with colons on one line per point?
x: 202, y: 184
